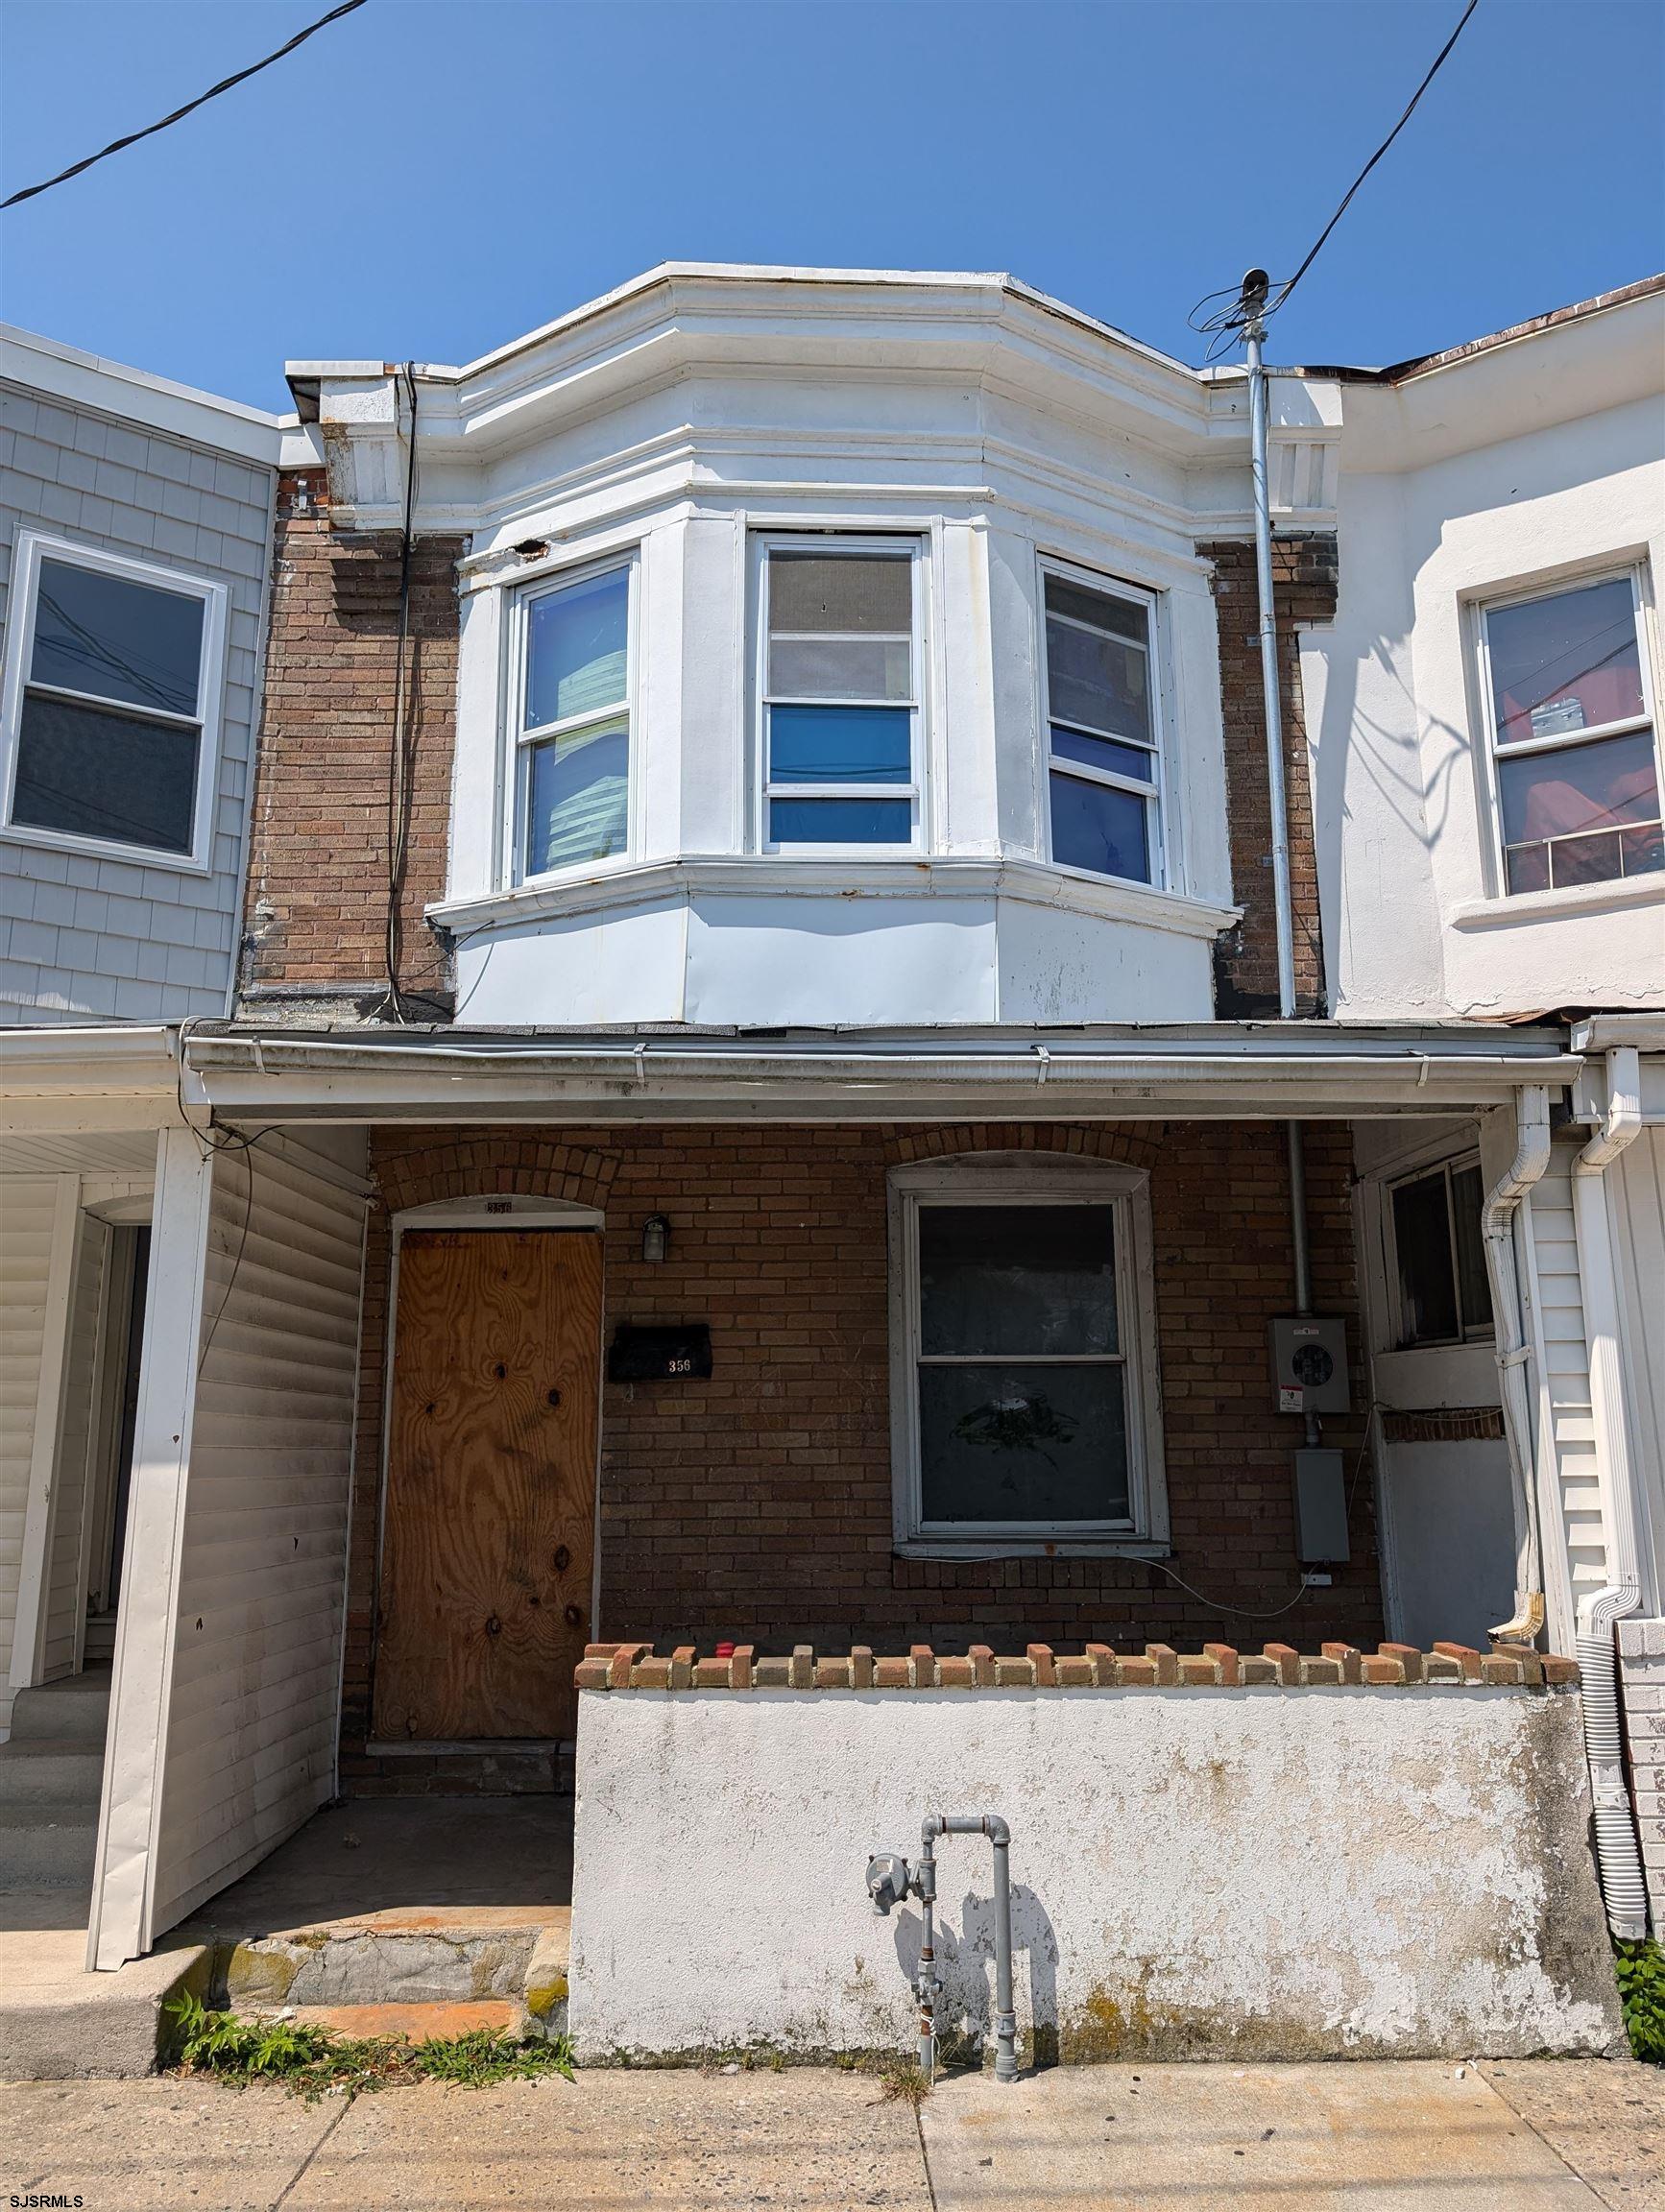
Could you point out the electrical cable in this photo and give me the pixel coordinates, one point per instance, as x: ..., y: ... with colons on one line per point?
x: 1223, y: 323
x: 178, y: 114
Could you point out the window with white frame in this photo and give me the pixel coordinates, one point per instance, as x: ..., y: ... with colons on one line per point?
x: 111, y: 705
x: 1025, y: 1404
x: 1103, y: 729
x: 1440, y: 1282
x: 573, y: 720
x: 1573, y: 735
x: 841, y: 691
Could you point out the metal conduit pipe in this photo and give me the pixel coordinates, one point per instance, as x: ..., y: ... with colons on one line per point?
x: 890, y: 1879
x: 1502, y: 1201
x: 1624, y: 1888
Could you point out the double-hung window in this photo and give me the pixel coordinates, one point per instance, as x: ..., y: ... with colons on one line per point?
x: 1444, y: 1294
x: 1573, y: 735
x: 572, y: 724
x: 1024, y: 1406
x: 840, y: 686
x: 111, y: 705
x: 1103, y: 730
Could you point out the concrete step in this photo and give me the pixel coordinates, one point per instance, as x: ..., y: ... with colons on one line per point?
x: 76, y: 1707
x: 61, y: 1767
x: 47, y: 1845
x: 385, y: 1969
x: 60, y: 2023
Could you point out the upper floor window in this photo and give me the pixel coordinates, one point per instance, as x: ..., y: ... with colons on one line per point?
x: 1103, y: 751
x: 1444, y: 1295
x: 1573, y: 735
x: 840, y: 690
x: 572, y: 724
x: 111, y: 705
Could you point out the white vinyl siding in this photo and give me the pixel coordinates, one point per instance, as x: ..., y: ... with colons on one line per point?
x: 1567, y: 1380
x: 27, y: 1207
x: 71, y: 1486
x: 253, y: 1703
x: 1636, y: 1195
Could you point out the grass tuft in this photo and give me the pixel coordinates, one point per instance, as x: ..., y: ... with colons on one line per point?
x: 311, y: 2063
x: 904, y: 2083
x: 1640, y: 1969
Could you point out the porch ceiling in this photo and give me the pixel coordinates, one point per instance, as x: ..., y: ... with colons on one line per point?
x: 1232, y: 1071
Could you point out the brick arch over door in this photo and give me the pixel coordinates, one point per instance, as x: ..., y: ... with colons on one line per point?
x: 494, y: 1167
x: 1137, y: 1146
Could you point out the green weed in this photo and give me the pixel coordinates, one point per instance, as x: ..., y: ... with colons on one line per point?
x: 1641, y: 1971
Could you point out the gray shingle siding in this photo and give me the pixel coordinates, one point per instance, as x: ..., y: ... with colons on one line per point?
x: 82, y: 937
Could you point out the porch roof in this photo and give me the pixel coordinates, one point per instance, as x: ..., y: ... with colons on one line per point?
x: 1230, y: 1069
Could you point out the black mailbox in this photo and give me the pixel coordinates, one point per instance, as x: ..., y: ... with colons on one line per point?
x: 681, y: 1354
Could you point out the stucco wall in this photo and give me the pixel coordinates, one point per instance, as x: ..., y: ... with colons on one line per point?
x: 1263, y: 1873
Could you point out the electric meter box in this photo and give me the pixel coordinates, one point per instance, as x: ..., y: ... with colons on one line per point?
x: 1310, y: 1356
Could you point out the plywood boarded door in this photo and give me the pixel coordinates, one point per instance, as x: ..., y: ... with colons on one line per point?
x: 488, y: 1530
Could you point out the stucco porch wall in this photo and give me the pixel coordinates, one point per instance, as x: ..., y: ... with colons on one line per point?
x: 1266, y: 1873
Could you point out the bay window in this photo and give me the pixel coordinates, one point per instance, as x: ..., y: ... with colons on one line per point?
x: 1103, y: 729
x: 841, y: 691
x: 1573, y: 735
x: 572, y: 721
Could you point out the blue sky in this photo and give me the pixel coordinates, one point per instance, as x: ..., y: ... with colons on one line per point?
x: 430, y: 178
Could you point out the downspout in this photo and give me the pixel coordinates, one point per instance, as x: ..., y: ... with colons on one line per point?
x: 1502, y: 1201
x: 1623, y: 1887
x: 1254, y: 299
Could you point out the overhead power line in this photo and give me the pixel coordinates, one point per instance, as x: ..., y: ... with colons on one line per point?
x: 1230, y: 316
x: 178, y: 114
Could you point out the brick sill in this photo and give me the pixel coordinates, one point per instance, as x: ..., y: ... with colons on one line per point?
x: 945, y: 1548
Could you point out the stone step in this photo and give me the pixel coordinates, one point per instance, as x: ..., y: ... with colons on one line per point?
x: 76, y: 1707
x: 360, y: 1968
x: 47, y: 1845
x: 417, y: 2022
x: 65, y: 1768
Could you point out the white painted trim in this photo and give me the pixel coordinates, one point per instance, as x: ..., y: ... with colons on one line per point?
x: 33, y: 547
x: 94, y: 1452
x: 29, y: 1629
x: 1016, y: 1178
x: 131, y: 1804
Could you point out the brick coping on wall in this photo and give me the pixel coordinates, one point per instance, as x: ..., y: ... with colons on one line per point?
x: 1219, y: 1666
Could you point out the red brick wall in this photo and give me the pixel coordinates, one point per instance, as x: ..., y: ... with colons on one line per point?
x: 316, y: 912
x: 1304, y: 580
x: 758, y: 1506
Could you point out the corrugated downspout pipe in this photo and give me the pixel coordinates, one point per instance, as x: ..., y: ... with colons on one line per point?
x: 1623, y: 1885
x: 1532, y: 1156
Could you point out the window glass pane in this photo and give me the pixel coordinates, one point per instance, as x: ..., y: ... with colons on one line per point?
x: 117, y: 640
x: 1104, y: 752
x: 1422, y: 1246
x: 577, y: 646
x: 577, y: 792
x: 1584, y: 792
x: 839, y: 745
x: 1122, y: 617
x: 1566, y: 663
x: 103, y: 775
x: 841, y: 667
x: 860, y: 591
x: 1473, y: 1286
x: 1096, y: 827
x: 840, y: 822
x: 1009, y: 1442
x: 1007, y: 1279
x: 1100, y: 682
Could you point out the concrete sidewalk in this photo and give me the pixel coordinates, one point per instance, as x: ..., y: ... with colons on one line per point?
x: 1544, y: 2136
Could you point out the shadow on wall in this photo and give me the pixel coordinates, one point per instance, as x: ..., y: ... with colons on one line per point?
x: 965, y: 1965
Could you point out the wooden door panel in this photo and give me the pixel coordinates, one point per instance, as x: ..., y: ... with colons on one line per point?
x: 488, y: 1532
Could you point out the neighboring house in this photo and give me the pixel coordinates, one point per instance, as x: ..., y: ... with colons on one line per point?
x: 756, y: 1116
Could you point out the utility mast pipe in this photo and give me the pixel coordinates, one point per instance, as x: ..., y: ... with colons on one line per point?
x: 1254, y: 331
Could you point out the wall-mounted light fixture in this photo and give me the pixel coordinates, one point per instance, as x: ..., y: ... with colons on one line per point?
x: 655, y: 1239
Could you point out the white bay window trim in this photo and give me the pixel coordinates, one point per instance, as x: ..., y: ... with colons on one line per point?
x: 524, y: 736
x: 995, y: 1179
x: 32, y: 550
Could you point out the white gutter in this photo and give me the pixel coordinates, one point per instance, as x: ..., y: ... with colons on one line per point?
x: 1623, y: 1885
x: 1503, y: 1202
